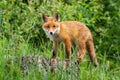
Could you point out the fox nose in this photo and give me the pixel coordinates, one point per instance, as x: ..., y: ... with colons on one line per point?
x: 51, y: 33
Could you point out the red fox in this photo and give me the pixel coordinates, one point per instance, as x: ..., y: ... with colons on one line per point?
x: 69, y: 32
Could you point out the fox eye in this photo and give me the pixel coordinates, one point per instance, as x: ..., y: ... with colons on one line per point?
x: 48, y: 26
x: 54, y: 26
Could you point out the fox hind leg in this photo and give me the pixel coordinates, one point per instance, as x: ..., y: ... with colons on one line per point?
x: 81, y: 52
x: 91, y: 51
x: 80, y: 55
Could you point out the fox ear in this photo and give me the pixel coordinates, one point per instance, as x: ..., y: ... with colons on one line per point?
x: 56, y: 17
x: 44, y: 18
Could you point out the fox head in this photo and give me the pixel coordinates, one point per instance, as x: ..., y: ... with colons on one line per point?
x: 51, y: 25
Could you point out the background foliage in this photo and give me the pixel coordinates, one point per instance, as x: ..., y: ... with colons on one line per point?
x: 21, y: 20
x: 20, y: 23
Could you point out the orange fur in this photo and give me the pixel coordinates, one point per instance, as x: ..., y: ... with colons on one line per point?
x: 70, y: 32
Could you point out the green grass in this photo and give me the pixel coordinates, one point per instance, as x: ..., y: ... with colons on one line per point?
x: 107, y: 69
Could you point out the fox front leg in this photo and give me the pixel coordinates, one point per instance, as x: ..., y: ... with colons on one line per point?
x: 53, y: 61
x: 68, y: 53
x: 55, y: 49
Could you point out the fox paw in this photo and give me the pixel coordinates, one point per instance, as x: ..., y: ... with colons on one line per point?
x: 66, y: 64
x: 53, y: 65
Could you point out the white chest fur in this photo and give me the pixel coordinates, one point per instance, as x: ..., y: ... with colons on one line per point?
x: 54, y: 37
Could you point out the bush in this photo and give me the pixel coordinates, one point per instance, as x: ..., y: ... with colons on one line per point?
x: 21, y: 20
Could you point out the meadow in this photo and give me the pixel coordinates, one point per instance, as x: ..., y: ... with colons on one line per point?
x: 21, y: 34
